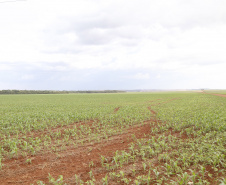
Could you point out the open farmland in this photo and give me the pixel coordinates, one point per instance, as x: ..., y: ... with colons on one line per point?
x: 216, y: 92
x: 130, y: 138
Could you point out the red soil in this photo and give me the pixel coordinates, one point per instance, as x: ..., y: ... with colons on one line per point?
x: 69, y: 162
x: 221, y: 95
x: 152, y: 111
x: 116, y: 109
x: 77, y: 160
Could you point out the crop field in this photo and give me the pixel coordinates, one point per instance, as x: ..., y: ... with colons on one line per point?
x: 216, y: 91
x: 125, y: 138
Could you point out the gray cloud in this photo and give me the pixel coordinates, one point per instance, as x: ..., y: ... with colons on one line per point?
x: 128, y: 23
x: 113, y: 44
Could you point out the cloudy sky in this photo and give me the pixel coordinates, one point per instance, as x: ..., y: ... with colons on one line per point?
x: 112, y: 44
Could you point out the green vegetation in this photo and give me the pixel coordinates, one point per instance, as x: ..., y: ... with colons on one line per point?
x: 215, y: 91
x: 186, y: 141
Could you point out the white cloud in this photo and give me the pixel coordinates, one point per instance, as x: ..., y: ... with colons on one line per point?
x: 158, y: 76
x: 140, y: 76
x: 27, y: 77
x: 179, y: 37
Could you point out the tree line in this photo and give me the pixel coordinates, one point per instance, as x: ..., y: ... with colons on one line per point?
x: 55, y: 92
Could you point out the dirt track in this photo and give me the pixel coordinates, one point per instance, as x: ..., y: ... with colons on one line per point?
x: 76, y: 160
x: 73, y: 160
x: 221, y: 95
x: 69, y: 162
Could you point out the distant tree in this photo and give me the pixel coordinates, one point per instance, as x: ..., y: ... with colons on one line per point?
x: 54, y: 92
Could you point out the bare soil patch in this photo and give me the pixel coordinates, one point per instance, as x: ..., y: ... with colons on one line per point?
x: 77, y: 160
x: 69, y: 162
x: 221, y: 95
x: 116, y: 109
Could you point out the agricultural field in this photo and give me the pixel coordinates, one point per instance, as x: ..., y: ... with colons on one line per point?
x: 223, y: 92
x: 176, y: 138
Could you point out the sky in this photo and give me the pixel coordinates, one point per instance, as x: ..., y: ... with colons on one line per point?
x: 112, y: 44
